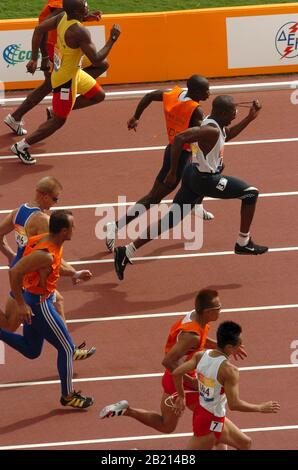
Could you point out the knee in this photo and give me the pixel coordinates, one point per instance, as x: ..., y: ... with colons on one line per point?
x: 99, y: 97
x: 250, y: 196
x: 246, y: 444
x: 33, y: 354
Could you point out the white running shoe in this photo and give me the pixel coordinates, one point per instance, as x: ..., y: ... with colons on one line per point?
x: 15, y: 126
x: 116, y: 409
x: 202, y: 213
x: 23, y: 154
x: 111, y: 230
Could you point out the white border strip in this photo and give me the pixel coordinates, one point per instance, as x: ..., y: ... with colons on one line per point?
x: 214, y: 90
x: 134, y: 376
x: 163, y: 257
x: 135, y: 438
x: 143, y: 149
x: 164, y: 201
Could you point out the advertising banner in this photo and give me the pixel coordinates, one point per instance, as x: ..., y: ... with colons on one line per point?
x: 260, y: 41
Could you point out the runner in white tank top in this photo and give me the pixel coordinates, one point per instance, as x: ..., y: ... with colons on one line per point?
x: 213, y: 161
x: 218, y: 384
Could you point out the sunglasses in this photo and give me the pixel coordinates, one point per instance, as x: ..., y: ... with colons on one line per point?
x: 55, y: 199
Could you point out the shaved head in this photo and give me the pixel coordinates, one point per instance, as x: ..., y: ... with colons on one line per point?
x: 223, y: 103
x: 48, y: 185
x: 70, y: 6
x: 197, y: 83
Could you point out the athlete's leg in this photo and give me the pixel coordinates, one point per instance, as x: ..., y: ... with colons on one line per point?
x: 29, y: 344
x: 57, y: 335
x: 234, y: 437
x: 89, y: 90
x: 206, y: 442
x: 33, y: 99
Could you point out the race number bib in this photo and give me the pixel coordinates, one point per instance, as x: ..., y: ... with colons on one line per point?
x: 216, y: 426
x: 206, y: 388
x: 20, y: 236
x: 57, y: 59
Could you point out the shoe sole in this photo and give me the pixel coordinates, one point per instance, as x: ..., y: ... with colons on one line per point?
x: 14, y: 131
x: 13, y: 149
x: 119, y: 273
x: 252, y: 253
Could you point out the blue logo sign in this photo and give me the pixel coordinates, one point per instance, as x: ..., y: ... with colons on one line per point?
x: 286, y: 40
x: 14, y: 54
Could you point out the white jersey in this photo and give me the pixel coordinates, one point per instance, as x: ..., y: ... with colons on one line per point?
x: 211, y: 393
x: 212, y: 162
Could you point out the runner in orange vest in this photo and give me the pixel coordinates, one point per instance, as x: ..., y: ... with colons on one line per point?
x: 187, y: 336
x: 33, y: 282
x: 181, y: 110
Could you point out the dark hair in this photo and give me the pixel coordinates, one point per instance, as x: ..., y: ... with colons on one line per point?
x: 204, y: 299
x: 228, y: 333
x: 59, y: 220
x: 222, y: 103
x: 197, y: 83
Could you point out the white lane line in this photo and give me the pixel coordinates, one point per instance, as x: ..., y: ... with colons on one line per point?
x: 151, y: 258
x: 164, y: 201
x: 135, y: 438
x: 143, y: 149
x: 175, y: 314
x: 134, y: 376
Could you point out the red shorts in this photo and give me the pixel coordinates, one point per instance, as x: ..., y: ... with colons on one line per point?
x: 64, y: 96
x: 169, y: 388
x: 204, y: 422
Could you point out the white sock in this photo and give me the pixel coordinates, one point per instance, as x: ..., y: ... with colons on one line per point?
x: 130, y: 249
x: 243, y: 239
x: 23, y: 144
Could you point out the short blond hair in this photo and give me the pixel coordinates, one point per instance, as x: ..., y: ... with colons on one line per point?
x: 48, y: 184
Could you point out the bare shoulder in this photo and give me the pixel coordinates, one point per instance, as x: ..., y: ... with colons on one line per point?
x: 37, y: 224
x: 230, y: 371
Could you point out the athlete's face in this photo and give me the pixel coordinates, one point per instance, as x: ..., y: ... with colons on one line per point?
x: 67, y: 234
x: 214, y: 310
x: 229, y: 114
x: 48, y: 200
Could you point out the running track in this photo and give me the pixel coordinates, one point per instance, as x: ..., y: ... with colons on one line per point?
x: 128, y: 321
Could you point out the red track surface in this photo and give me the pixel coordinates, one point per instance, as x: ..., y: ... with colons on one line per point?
x: 135, y: 346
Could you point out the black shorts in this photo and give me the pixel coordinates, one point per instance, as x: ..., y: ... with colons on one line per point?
x: 184, y: 159
x: 195, y: 186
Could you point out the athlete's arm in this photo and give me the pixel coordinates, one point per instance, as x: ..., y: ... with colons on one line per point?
x: 45, y: 62
x: 206, y: 137
x: 147, y: 99
x: 231, y: 386
x: 37, y: 38
x: 68, y: 271
x: 34, y: 262
x: 187, y: 342
x: 254, y: 110
x: 196, y: 117
x: 83, y: 40
x: 7, y: 226
x: 179, y: 375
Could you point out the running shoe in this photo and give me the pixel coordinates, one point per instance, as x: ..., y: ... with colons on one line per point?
x: 23, y: 155
x: 111, y: 230
x: 120, y: 261
x: 250, y: 249
x: 116, y: 409
x: 76, y: 400
x: 80, y: 353
x: 15, y: 126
